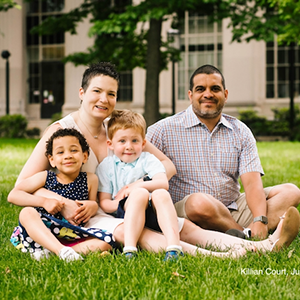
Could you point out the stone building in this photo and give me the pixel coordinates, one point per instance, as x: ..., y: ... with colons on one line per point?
x: 40, y: 85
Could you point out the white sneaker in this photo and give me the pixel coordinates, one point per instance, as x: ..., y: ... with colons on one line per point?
x: 41, y: 254
x: 68, y: 254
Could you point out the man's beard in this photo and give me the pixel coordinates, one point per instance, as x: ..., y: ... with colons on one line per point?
x: 204, y: 114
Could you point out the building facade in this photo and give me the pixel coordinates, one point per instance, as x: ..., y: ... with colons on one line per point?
x: 40, y: 85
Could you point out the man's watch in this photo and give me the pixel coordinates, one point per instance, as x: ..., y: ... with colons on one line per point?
x: 262, y: 219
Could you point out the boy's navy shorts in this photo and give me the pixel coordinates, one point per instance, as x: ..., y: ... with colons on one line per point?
x: 150, y: 215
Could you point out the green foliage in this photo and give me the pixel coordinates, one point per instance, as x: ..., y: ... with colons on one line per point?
x: 263, y: 19
x: 5, y: 5
x: 33, y: 132
x: 13, y: 126
x: 55, y: 117
x: 279, y: 126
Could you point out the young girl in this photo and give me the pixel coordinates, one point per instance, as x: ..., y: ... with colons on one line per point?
x: 41, y: 224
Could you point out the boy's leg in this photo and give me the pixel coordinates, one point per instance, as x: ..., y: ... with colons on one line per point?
x: 134, y: 220
x: 166, y: 216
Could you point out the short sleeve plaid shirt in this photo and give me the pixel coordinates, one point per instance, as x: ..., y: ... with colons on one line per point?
x: 207, y: 162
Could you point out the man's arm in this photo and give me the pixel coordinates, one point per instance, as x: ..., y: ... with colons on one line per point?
x: 256, y: 201
x: 169, y: 166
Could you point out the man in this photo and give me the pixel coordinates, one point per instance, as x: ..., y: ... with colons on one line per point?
x: 211, y: 151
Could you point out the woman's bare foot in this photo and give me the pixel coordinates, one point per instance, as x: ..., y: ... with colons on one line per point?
x: 286, y: 231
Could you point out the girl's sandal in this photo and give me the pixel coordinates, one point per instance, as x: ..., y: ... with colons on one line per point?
x: 289, y: 230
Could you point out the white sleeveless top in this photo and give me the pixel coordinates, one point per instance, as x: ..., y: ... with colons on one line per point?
x: 92, y: 162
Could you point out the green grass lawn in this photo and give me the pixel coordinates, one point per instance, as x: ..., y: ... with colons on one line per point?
x: 147, y: 277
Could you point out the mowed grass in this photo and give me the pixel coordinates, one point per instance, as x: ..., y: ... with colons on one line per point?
x: 254, y: 276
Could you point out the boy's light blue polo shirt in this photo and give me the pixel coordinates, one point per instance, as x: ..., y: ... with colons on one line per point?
x: 113, y: 174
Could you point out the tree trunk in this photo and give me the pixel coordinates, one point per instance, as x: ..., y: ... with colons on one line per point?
x: 152, y: 72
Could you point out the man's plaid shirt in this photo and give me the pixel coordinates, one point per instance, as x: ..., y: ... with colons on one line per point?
x: 207, y: 162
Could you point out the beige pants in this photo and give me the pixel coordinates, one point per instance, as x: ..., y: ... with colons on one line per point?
x: 242, y: 216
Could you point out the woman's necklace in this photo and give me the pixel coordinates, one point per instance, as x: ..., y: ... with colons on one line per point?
x: 94, y: 136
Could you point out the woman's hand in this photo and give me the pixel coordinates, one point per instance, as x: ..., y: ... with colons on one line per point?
x: 85, y: 210
x: 69, y: 210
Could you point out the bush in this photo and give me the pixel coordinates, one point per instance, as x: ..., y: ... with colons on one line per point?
x: 33, y: 132
x: 13, y: 126
x: 278, y: 127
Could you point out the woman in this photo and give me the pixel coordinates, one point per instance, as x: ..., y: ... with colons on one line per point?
x: 98, y: 94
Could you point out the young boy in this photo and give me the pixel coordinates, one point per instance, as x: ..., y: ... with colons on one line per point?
x: 128, y: 177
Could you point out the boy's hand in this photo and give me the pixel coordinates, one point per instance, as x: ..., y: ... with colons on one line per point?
x: 85, y: 210
x: 53, y: 206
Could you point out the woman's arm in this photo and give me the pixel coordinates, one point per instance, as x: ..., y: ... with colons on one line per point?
x: 22, y: 194
x: 169, y: 166
x: 38, y: 162
x: 88, y: 208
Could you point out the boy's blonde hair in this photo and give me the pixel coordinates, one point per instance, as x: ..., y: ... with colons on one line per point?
x: 125, y: 119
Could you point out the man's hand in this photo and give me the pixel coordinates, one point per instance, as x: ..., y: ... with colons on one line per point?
x: 85, y: 210
x: 53, y: 206
x: 259, y: 230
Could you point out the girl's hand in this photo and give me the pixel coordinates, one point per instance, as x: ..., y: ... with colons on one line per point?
x: 53, y: 206
x: 85, y: 211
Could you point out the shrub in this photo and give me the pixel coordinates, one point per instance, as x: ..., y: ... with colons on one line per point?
x: 280, y: 126
x: 13, y: 126
x: 33, y: 132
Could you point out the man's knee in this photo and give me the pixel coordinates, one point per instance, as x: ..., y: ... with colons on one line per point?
x: 294, y: 192
x: 289, y: 191
x: 200, y: 205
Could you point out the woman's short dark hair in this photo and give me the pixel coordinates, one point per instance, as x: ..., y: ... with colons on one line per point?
x: 97, y: 69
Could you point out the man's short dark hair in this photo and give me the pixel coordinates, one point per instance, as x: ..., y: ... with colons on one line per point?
x: 206, y: 69
x: 66, y: 132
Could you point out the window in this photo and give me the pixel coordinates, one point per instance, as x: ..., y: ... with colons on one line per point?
x: 277, y: 70
x: 125, y: 89
x: 44, y: 55
x: 201, y: 43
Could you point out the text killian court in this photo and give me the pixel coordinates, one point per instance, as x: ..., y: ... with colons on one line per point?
x: 269, y: 271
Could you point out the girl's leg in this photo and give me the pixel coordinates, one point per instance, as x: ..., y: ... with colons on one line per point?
x: 166, y: 216
x: 134, y: 220
x: 36, y: 229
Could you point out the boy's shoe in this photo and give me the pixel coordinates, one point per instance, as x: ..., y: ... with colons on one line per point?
x: 41, y: 254
x: 173, y: 255
x: 68, y: 254
x: 130, y: 255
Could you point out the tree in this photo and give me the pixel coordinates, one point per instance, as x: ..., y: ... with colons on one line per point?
x: 130, y: 36
x: 263, y: 20
x: 7, y: 4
